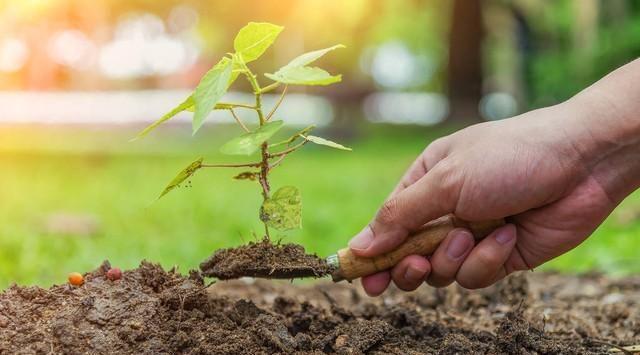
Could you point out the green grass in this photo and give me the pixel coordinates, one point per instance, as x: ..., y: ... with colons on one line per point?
x: 96, y: 172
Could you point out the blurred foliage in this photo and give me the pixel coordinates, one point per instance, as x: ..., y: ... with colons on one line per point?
x: 563, y: 63
x: 568, y: 44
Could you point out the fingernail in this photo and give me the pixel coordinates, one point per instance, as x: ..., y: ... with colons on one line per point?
x: 362, y: 240
x: 460, y: 244
x: 505, y: 235
x: 413, y: 274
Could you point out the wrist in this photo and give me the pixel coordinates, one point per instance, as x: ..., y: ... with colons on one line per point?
x: 605, y: 119
x: 610, y: 109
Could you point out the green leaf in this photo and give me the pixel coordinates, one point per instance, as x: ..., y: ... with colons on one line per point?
x: 254, y: 39
x: 283, y: 210
x: 234, y: 71
x: 310, y: 57
x: 249, y: 143
x: 188, y: 104
x: 221, y: 106
x: 185, y: 105
x: 298, y: 73
x: 182, y: 176
x: 304, y: 76
x: 299, y: 134
x: 326, y: 142
x: 212, y: 86
x: 302, y: 133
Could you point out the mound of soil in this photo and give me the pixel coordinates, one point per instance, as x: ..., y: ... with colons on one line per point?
x: 265, y: 260
x: 152, y: 311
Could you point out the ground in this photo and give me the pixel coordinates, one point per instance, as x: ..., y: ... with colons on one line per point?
x: 108, y: 187
x: 151, y: 311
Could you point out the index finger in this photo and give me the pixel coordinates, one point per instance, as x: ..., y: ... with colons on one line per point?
x: 432, y: 196
x: 435, y: 152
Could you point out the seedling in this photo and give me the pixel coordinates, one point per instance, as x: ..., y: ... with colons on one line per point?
x: 281, y: 209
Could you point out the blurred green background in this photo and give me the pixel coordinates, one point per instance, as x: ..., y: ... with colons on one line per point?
x: 74, y: 191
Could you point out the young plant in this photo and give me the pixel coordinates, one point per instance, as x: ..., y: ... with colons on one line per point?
x: 281, y: 209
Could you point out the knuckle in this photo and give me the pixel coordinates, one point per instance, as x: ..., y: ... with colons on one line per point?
x: 439, y: 282
x: 448, y: 173
x: 472, y: 283
x: 441, y: 275
x: 512, y: 265
x: 405, y: 286
x: 488, y: 259
x: 388, y: 213
x: 374, y: 291
x: 437, y: 145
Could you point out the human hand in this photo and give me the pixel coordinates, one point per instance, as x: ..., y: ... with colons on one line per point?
x: 543, y: 171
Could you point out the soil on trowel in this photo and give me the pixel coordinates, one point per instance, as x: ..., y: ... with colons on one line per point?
x: 265, y: 260
x: 152, y: 311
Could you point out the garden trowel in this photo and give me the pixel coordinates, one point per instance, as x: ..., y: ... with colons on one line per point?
x: 344, y: 265
x: 348, y: 266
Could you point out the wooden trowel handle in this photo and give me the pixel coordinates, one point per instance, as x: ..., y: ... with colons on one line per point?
x: 422, y: 242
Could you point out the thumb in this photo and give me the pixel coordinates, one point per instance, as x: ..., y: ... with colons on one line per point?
x: 433, y: 195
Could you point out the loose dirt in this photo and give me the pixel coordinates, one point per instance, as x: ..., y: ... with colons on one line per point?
x: 152, y: 311
x: 266, y: 260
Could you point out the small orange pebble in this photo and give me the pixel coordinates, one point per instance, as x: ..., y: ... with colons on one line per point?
x: 114, y: 274
x: 76, y: 279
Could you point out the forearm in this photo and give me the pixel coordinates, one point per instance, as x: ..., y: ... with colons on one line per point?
x: 606, y: 117
x: 614, y: 106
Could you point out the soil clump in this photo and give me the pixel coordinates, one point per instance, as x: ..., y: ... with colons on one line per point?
x: 265, y: 260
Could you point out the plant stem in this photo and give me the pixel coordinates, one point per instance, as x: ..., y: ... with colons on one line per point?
x: 290, y: 150
x: 239, y: 121
x: 264, y: 148
x: 241, y: 165
x: 268, y: 88
x: 264, y: 180
x: 284, y: 91
x: 228, y: 105
x: 277, y: 162
x: 256, y: 91
x: 264, y: 172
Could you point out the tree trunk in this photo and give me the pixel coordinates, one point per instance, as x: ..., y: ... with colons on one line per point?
x: 465, y: 61
x: 525, y: 41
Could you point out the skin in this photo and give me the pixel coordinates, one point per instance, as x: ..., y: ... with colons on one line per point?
x: 554, y: 174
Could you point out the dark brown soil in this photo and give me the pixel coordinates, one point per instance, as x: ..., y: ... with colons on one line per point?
x: 150, y: 311
x: 265, y: 260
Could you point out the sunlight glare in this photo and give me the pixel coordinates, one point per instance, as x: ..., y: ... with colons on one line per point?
x: 13, y: 54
